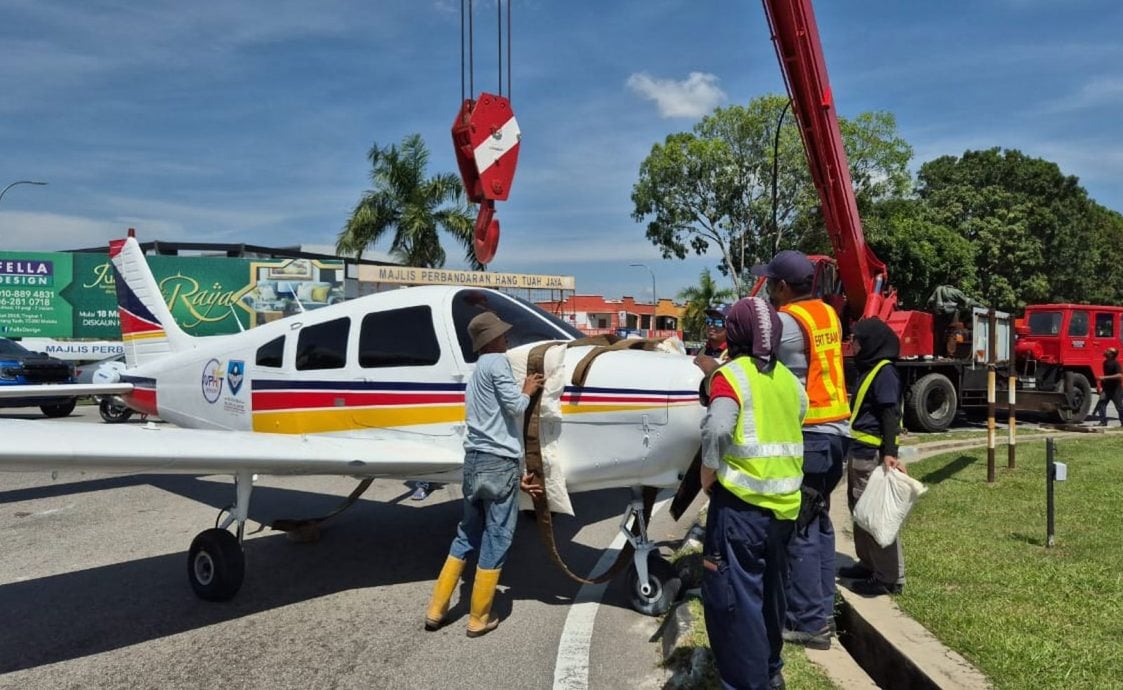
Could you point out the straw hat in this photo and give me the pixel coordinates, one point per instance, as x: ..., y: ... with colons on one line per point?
x: 485, y: 328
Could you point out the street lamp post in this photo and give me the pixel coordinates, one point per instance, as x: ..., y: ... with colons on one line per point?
x: 654, y: 299
x: 34, y: 182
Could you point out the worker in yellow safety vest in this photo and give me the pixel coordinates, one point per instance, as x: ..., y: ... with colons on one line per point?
x: 811, y: 347
x: 752, y: 467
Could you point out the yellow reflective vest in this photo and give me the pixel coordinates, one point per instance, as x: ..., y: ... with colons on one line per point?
x: 764, y: 464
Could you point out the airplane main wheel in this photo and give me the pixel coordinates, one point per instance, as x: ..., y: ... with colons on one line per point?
x: 61, y: 409
x: 663, y: 587
x: 216, y: 565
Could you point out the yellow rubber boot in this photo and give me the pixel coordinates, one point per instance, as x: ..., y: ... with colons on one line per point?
x: 480, y: 621
x: 442, y: 592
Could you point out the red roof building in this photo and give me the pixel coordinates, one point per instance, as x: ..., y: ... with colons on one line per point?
x: 596, y: 315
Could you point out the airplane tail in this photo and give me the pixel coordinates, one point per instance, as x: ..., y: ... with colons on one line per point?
x: 147, y: 327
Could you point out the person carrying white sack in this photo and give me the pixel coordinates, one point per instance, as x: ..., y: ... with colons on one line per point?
x: 874, y: 422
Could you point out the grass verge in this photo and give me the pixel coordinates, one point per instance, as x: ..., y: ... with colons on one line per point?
x: 981, y: 579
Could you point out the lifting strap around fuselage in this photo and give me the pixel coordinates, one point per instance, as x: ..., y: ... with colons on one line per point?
x: 533, y: 446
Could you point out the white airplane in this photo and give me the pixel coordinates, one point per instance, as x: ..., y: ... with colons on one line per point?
x: 369, y: 388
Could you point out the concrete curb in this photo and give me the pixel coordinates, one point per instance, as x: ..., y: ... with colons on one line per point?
x: 895, y: 650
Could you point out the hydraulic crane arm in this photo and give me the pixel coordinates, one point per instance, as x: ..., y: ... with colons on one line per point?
x: 796, y: 37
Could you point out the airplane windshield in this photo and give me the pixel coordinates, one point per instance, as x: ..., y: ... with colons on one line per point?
x: 529, y: 323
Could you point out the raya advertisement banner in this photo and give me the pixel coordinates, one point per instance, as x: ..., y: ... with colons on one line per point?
x: 61, y: 295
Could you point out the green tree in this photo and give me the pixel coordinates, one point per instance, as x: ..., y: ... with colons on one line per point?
x: 698, y: 299
x: 919, y: 253
x: 411, y: 206
x: 713, y: 186
x: 1034, y: 229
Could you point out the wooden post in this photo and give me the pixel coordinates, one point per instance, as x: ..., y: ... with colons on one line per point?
x: 1011, y: 435
x: 992, y: 355
x: 1050, y: 475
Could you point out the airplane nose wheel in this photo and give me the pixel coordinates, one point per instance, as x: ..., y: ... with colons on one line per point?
x: 216, y: 565
x: 654, y: 596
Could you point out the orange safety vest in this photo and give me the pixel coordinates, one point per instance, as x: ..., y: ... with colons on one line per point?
x: 826, y: 385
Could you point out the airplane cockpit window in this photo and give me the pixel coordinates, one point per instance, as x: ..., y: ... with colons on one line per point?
x: 272, y: 353
x: 399, y: 338
x: 529, y: 323
x: 323, y: 345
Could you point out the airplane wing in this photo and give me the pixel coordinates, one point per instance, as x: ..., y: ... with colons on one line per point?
x: 60, y: 390
x: 40, y: 446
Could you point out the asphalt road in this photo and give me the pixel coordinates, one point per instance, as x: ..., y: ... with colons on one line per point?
x: 93, y: 591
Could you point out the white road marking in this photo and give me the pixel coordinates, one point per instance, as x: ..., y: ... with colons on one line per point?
x: 571, y: 669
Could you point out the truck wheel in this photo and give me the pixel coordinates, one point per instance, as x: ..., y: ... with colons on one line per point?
x: 930, y: 403
x: 59, y: 409
x: 1082, y: 399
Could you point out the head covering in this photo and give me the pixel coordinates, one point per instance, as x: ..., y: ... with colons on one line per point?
x: 485, y: 328
x: 876, y: 341
x: 753, y: 328
x: 790, y: 266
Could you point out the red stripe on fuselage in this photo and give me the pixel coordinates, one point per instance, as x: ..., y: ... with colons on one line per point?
x: 290, y: 400
x: 143, y: 400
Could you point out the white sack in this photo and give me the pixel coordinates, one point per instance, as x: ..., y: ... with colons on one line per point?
x: 886, y: 502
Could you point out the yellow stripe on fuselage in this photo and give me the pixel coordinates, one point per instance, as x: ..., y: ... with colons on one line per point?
x: 144, y: 335
x: 346, y: 418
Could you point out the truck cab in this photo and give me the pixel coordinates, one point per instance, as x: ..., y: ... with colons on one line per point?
x: 1059, y: 339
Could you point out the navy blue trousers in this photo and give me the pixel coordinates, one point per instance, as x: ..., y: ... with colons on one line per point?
x: 743, y: 589
x: 811, y: 555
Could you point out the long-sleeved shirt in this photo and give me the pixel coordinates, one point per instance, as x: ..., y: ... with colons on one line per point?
x: 493, y: 403
x: 720, y: 421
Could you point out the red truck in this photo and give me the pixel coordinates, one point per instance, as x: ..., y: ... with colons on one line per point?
x: 1059, y: 340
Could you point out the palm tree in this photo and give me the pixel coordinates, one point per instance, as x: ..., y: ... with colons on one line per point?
x: 698, y: 299
x: 414, y: 207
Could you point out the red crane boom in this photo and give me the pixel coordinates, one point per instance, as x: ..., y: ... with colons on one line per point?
x: 796, y: 38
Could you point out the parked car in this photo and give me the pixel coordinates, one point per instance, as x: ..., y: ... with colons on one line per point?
x: 20, y: 367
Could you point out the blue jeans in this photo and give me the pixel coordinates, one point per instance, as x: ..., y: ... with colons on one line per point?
x: 491, y: 487
x: 743, y: 589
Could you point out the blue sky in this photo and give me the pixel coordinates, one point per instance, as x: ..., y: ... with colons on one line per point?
x: 249, y: 121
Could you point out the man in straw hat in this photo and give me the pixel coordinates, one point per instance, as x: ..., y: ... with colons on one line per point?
x: 492, y: 458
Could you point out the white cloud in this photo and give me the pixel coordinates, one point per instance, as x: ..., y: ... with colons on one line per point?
x: 1100, y: 92
x: 695, y: 96
x: 52, y: 231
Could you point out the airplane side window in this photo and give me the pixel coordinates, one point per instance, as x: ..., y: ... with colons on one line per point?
x: 323, y: 346
x: 529, y: 323
x: 398, y: 338
x: 272, y: 353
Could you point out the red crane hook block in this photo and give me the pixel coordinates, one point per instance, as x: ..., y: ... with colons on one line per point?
x: 485, y: 136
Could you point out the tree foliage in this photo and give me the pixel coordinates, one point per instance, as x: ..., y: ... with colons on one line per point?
x: 713, y: 186
x: 698, y: 298
x: 413, y: 207
x: 1037, y: 236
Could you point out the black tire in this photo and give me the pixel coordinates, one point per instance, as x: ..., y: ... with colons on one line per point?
x: 216, y: 565
x: 1082, y: 399
x: 665, y: 585
x: 113, y: 411
x: 61, y: 409
x: 931, y: 403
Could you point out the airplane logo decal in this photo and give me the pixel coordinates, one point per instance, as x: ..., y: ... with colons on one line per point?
x: 212, y: 381
x: 235, y: 373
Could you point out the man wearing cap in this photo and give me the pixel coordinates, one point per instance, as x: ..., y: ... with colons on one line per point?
x: 1109, y: 388
x: 811, y: 347
x: 492, y: 458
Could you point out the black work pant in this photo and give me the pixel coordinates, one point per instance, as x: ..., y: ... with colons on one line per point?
x: 1113, y: 396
